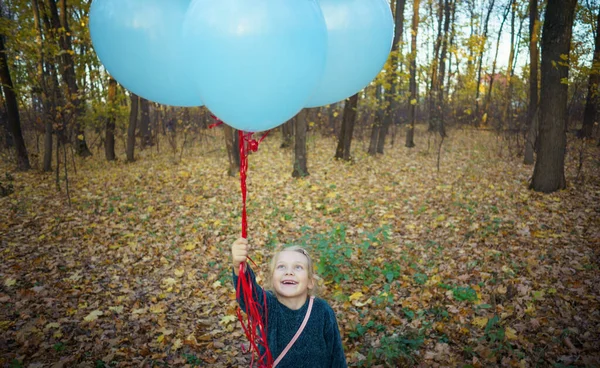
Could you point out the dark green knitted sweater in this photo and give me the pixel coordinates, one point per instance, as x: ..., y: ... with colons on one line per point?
x: 319, y: 345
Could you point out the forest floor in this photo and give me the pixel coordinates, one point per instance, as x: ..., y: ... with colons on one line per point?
x: 463, y: 267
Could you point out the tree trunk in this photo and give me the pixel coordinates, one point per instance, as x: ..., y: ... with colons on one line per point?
x: 549, y: 170
x: 441, y: 108
x: 61, y: 28
x: 508, y: 96
x: 300, y: 159
x: 392, y: 91
x: 451, y: 45
x: 532, y: 109
x: 144, y: 123
x: 414, y: 99
x: 109, y: 143
x: 41, y: 76
x: 232, y: 142
x: 377, y: 122
x: 472, y: 18
x: 12, y: 109
x: 287, y: 133
x: 434, y: 115
x: 5, y: 133
x: 133, y: 117
x: 592, y: 100
x: 480, y: 61
x: 488, y: 97
x: 348, y: 121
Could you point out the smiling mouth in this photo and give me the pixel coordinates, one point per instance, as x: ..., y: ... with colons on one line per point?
x: 289, y: 282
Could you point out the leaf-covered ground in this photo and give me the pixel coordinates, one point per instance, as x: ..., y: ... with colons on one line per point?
x: 462, y: 267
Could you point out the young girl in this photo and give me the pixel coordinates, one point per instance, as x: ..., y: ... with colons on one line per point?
x: 292, y: 280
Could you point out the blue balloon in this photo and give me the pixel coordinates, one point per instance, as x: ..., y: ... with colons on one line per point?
x: 256, y: 61
x: 360, y: 36
x: 140, y: 44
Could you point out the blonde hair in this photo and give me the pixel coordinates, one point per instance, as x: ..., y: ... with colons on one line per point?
x: 310, y: 268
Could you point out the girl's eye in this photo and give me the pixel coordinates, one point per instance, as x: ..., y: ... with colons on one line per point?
x: 280, y: 267
x: 299, y: 267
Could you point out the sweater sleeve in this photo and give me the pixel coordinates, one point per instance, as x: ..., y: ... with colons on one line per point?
x: 259, y: 294
x: 334, y: 342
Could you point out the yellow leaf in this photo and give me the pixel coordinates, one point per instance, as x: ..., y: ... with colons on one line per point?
x: 179, y: 272
x: 331, y: 195
x: 157, y: 309
x: 356, y: 296
x: 93, y: 316
x: 480, y: 322
x: 139, y: 311
x: 51, y: 325
x: 530, y: 309
x: 311, y: 124
x: 433, y: 280
x: 228, y: 319
x: 80, y: 137
x: 118, y: 309
x: 169, y: 281
x: 10, y: 282
x: 501, y: 289
x: 165, y: 331
x: 189, y: 246
x: 161, y: 338
x: 484, y: 118
x: 177, y: 344
x: 335, y: 114
x: 510, y: 333
x: 41, y: 237
x: 361, y: 304
x: 413, y: 101
x: 216, y: 284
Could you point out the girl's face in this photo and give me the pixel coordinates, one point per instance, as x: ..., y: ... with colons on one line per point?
x: 291, y: 279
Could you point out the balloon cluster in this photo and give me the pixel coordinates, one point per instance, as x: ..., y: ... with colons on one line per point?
x: 253, y: 63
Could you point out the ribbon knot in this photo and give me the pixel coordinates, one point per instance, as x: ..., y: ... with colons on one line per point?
x: 253, y: 145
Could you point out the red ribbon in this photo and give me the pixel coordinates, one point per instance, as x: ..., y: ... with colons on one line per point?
x: 255, y: 328
x: 219, y: 122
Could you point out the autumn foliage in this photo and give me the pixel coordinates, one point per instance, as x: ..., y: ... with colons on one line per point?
x: 461, y: 267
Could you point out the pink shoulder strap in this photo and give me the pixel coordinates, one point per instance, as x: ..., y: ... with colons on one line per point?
x: 289, y: 346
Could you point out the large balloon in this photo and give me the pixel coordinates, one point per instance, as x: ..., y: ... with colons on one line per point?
x: 140, y: 44
x: 360, y: 36
x: 257, y: 61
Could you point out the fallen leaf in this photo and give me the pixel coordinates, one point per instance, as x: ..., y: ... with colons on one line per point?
x: 93, y: 316
x: 357, y: 295
x: 480, y: 322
